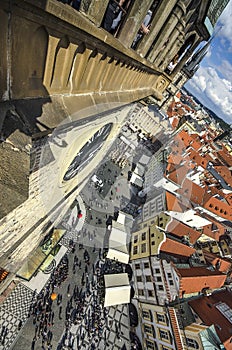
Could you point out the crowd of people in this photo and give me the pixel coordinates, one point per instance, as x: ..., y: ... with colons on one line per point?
x: 41, y: 308
x: 114, y: 15
x: 79, y: 307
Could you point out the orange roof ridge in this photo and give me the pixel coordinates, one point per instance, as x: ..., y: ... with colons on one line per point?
x: 175, y: 248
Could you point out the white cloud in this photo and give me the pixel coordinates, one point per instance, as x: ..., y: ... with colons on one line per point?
x: 225, y: 22
x: 202, y: 83
x: 225, y: 68
x: 209, y: 52
x: 213, y: 91
x: 212, y: 85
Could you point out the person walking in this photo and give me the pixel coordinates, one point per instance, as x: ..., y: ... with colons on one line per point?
x: 60, y: 311
x: 33, y: 344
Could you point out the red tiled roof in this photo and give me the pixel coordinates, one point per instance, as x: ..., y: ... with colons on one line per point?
x: 214, y: 190
x: 195, y: 279
x: 175, y: 248
x: 178, y: 174
x: 218, y: 207
x: 228, y: 198
x: 177, y: 145
x: 224, y: 171
x: 175, y: 159
x: 175, y: 327
x: 221, y: 264
x: 174, y: 204
x: 198, y: 159
x: 190, y: 140
x: 179, y: 229
x: 215, y: 230
x: 193, y: 191
x: 175, y: 122
x: 205, y: 308
x: 225, y: 156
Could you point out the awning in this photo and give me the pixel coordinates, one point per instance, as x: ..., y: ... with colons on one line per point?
x: 117, y: 289
x: 139, y: 169
x: 47, y: 262
x: 30, y: 267
x: 40, y: 254
x: 118, y: 255
x: 118, y: 246
x: 136, y: 180
x: 125, y: 219
x: 118, y: 238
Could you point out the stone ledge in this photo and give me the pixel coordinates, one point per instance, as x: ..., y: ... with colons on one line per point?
x: 84, y: 25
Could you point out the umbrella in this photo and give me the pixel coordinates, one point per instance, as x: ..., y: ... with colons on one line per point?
x: 53, y: 296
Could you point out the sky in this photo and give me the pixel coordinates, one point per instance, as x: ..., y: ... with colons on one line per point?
x: 212, y: 83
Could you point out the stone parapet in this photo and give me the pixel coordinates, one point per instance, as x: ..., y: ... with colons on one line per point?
x: 63, y: 52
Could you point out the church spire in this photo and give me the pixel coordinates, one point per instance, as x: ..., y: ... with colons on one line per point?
x: 193, y: 64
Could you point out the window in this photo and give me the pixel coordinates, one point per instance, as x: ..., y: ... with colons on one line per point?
x: 140, y: 292
x: 192, y: 343
x: 171, y: 282
x: 150, y: 293
x: 152, y: 235
x: 157, y: 270
x: 146, y: 314
x: 135, y: 250
x: 160, y: 318
x: 148, y: 278
x: 169, y: 275
x: 153, y: 243
x: 147, y: 328
x: 139, y: 278
x: 146, y: 265
x: 214, y: 226
x: 178, y: 80
x: 160, y: 287
x: 137, y: 266
x: 150, y: 345
x: 143, y: 248
x: 136, y: 239
x: 158, y: 279
x: 225, y: 310
x: 163, y: 334
x: 144, y: 236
